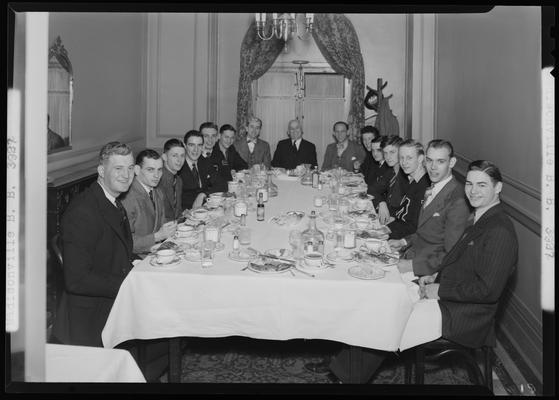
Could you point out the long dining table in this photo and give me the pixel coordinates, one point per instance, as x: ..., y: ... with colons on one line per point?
x: 226, y: 299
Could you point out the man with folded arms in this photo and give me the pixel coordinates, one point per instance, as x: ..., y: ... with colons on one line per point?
x: 294, y: 151
x: 170, y: 183
x: 144, y: 203
x: 224, y: 156
x: 404, y: 220
x: 442, y: 218
x: 199, y: 177
x: 343, y: 153
x: 253, y: 149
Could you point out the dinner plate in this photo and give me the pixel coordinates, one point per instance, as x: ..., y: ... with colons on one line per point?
x: 313, y: 269
x: 153, y: 262
x: 269, y: 266
x: 365, y: 272
x: 340, y: 256
x: 243, y: 255
x: 192, y: 255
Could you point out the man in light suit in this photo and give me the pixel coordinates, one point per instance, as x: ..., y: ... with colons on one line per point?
x: 343, y: 153
x: 144, y: 203
x: 442, y: 217
x: 253, y: 149
x: 294, y: 151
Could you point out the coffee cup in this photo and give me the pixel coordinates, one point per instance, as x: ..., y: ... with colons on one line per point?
x: 185, y: 230
x: 375, y: 245
x: 200, y: 214
x: 362, y: 222
x: 165, y: 256
x: 313, y: 259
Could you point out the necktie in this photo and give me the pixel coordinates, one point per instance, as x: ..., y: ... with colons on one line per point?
x: 294, y: 146
x: 251, y: 144
x: 123, y: 217
x: 151, y: 198
x: 174, y: 191
x: 428, y: 194
x: 196, y: 175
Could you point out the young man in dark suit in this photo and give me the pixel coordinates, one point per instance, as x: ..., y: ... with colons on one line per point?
x: 209, y: 133
x: 294, y: 151
x: 368, y: 134
x: 251, y: 148
x: 199, y: 177
x: 224, y: 157
x: 442, y: 217
x: 171, y: 184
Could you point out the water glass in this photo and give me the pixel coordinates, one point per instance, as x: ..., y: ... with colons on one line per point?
x: 333, y: 203
x: 207, y: 253
x: 212, y: 233
x: 318, y: 201
x: 296, y: 242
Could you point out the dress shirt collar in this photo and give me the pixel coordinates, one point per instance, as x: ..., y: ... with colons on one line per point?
x: 478, y: 212
x: 437, y: 187
x: 297, y: 143
x: 191, y: 164
x: 146, y: 188
x: 417, y: 175
x: 109, y: 196
x: 249, y: 140
x: 168, y: 170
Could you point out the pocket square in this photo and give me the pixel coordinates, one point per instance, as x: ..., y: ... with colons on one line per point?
x: 471, y: 243
x: 436, y: 214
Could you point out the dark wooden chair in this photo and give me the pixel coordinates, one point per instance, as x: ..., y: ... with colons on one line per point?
x: 441, y: 348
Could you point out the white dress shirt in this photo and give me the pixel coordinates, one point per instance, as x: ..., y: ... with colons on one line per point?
x: 437, y: 187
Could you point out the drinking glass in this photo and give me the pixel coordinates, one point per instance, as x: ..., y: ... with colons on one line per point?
x: 207, y: 253
x: 296, y: 242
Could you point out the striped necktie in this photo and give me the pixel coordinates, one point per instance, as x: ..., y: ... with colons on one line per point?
x: 174, y: 191
x: 151, y: 198
x: 196, y: 175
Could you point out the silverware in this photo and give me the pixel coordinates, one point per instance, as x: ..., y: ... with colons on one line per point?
x: 279, y: 258
x: 245, y: 267
x: 303, y: 272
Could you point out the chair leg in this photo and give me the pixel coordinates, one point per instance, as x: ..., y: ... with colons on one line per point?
x: 419, y: 365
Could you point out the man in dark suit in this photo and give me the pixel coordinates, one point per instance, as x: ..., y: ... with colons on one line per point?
x: 294, y: 151
x: 404, y: 220
x: 144, y: 203
x: 251, y: 148
x: 199, y: 177
x: 442, y: 217
x: 209, y: 133
x: 225, y: 157
x: 97, y: 250
x: 171, y: 184
x: 368, y: 134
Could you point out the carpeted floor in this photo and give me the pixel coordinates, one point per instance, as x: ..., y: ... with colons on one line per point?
x: 244, y: 360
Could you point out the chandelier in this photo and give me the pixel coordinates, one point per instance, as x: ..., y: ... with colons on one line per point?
x: 283, y: 27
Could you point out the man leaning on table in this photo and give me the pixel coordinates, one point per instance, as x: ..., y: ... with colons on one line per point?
x: 343, y: 153
x: 442, y: 217
x: 144, y: 203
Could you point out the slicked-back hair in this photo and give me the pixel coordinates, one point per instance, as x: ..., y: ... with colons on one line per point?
x: 207, y: 125
x: 393, y: 140
x: 147, y: 153
x: 488, y: 167
x: 169, y: 144
x: 192, y: 132
x: 380, y: 139
x: 340, y: 122
x: 254, y: 119
x: 370, y: 129
x: 111, y: 149
x: 439, y: 144
x: 227, y: 127
x: 414, y: 144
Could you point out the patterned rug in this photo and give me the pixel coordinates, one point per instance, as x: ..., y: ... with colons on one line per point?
x: 244, y: 360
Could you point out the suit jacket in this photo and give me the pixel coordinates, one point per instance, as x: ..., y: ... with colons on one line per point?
x: 285, y: 157
x: 97, y: 252
x: 172, y: 211
x: 439, y: 227
x: 377, y: 178
x: 260, y: 155
x: 331, y: 159
x: 407, y: 214
x: 223, y: 164
x: 367, y: 164
x: 395, y: 194
x: 144, y: 219
x: 473, y: 276
x: 211, y: 181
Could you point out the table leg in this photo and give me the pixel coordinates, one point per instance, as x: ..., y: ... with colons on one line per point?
x: 355, y: 363
x: 175, y: 360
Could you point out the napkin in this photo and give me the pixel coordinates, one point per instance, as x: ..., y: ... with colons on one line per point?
x: 413, y: 288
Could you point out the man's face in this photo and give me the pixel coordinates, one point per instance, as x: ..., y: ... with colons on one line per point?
x: 194, y: 147
x: 409, y: 159
x: 366, y: 140
x: 376, y: 151
x: 117, y: 173
x: 149, y: 173
x: 439, y: 163
x: 210, y: 137
x: 480, y: 190
x: 174, y: 158
x: 227, y: 138
x: 253, y: 129
x: 390, y: 154
x: 294, y: 130
x: 340, y: 133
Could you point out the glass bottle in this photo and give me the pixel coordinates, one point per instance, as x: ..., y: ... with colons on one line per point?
x: 315, y: 178
x: 260, y: 207
x: 272, y: 187
x: 312, y: 237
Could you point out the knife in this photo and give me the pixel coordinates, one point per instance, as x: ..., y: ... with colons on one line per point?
x: 278, y: 258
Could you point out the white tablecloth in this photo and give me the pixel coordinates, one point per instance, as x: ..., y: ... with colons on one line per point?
x: 90, y: 364
x: 188, y: 300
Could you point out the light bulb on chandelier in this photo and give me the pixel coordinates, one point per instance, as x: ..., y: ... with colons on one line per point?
x: 283, y: 27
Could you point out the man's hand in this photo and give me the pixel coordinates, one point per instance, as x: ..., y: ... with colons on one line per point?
x: 383, y: 213
x: 356, y: 165
x: 397, y: 244
x: 427, y: 288
x: 405, y: 266
x: 199, y: 201
x: 165, y: 231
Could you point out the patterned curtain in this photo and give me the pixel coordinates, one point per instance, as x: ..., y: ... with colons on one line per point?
x: 338, y: 42
x: 257, y: 56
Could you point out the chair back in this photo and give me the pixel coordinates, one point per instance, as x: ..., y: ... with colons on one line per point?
x: 56, y: 247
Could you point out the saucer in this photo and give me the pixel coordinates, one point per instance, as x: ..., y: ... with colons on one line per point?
x: 303, y: 266
x: 173, y: 263
x: 340, y: 256
x: 192, y: 255
x: 243, y: 255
